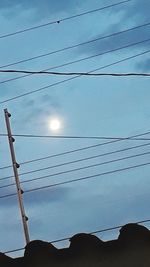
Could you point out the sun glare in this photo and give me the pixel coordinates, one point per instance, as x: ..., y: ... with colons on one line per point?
x: 54, y: 124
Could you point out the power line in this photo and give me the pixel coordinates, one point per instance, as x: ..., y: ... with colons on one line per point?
x: 72, y: 78
x: 76, y: 137
x: 117, y: 227
x: 87, y: 177
x: 68, y: 152
x: 104, y: 154
x: 85, y: 148
x: 94, y: 232
x: 13, y: 250
x: 78, y: 179
x: 69, y: 171
x: 79, y: 60
x: 65, y: 136
x: 75, y: 161
x: 63, y: 19
x: 99, y: 231
x: 6, y: 167
x: 56, y: 155
x: 84, y: 159
x: 68, y: 48
x: 9, y: 195
x: 76, y: 73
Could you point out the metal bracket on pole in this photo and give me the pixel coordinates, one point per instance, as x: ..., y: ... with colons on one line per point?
x: 15, y: 166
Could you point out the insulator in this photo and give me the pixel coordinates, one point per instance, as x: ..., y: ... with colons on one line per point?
x: 12, y: 139
x: 26, y: 218
x: 17, y: 165
x: 22, y: 191
x: 9, y: 115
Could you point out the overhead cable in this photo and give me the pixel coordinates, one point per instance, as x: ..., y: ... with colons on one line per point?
x: 88, y: 177
x: 71, y: 170
x: 84, y: 159
x: 84, y: 148
x: 76, y: 73
x: 70, y: 47
x: 72, y: 78
x: 76, y: 150
x: 78, y: 60
x: 78, y: 179
x: 63, y: 19
x: 76, y: 137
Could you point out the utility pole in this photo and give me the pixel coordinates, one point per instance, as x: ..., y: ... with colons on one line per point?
x: 15, y: 166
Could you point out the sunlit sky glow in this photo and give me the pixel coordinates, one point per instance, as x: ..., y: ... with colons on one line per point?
x: 55, y: 124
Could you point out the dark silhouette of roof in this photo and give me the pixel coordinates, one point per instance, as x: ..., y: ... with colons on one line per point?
x: 131, y: 249
x: 133, y: 232
x: 84, y: 242
x: 5, y: 259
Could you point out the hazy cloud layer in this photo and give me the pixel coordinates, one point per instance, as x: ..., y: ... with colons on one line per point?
x: 132, y: 14
x: 42, y: 8
x: 37, y: 198
x: 144, y: 65
x: 137, y: 10
x: 119, y: 40
x: 46, y: 106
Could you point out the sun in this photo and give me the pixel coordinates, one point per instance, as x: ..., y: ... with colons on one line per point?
x: 55, y: 124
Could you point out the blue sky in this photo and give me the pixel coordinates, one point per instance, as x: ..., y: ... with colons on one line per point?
x: 87, y: 106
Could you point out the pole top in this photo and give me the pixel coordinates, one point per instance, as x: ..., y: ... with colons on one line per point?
x: 6, y: 111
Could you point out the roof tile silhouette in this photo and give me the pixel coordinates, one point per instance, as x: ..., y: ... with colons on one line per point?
x: 131, y: 249
x: 84, y: 242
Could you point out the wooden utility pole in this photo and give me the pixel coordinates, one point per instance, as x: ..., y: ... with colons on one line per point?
x: 15, y: 166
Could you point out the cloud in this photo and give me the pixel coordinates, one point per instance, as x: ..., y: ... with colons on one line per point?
x: 138, y: 10
x: 35, y: 110
x: 42, y: 8
x: 60, y: 4
x: 144, y: 65
x: 130, y: 15
x: 38, y: 197
x: 49, y: 195
x: 118, y: 41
